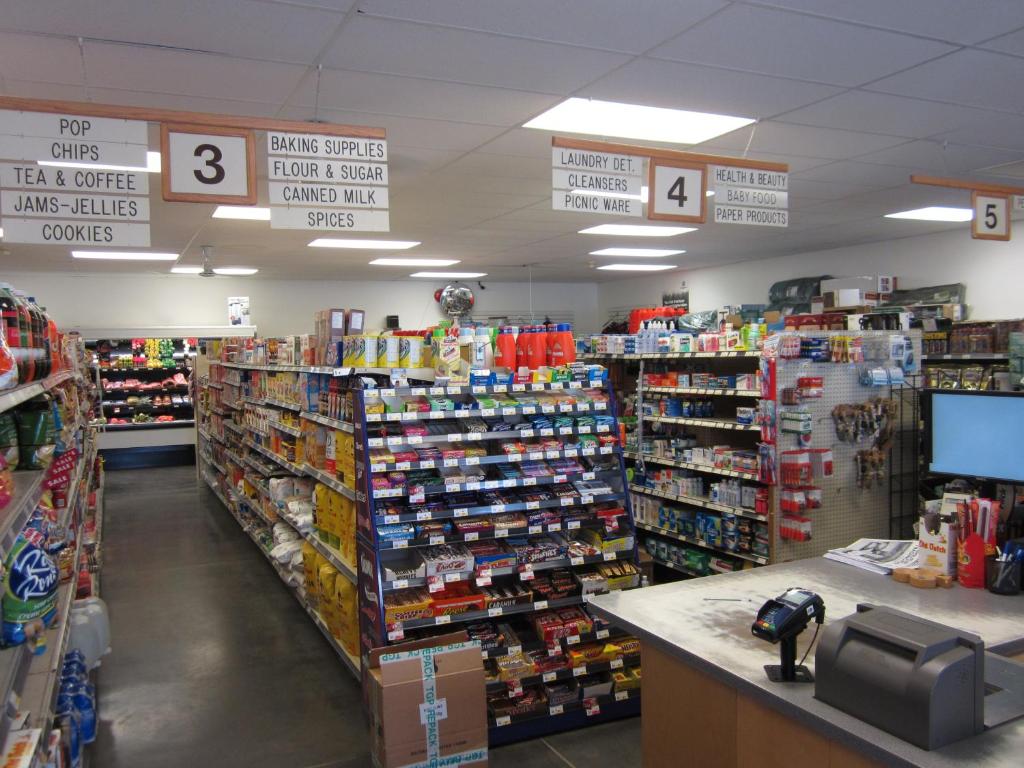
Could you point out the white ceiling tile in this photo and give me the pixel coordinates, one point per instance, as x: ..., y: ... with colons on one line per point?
x: 804, y: 141
x: 40, y: 58
x: 609, y: 24
x: 960, y: 21
x: 883, y: 113
x: 130, y: 67
x: 1011, y: 43
x: 30, y: 89
x: 971, y: 77
x: 185, y: 103
x: 527, y: 142
x: 785, y: 44
x: 415, y: 97
x: 990, y: 129
x: 849, y: 171
x: 704, y: 89
x: 403, y: 48
x: 500, y: 166
x: 805, y: 190
x: 933, y: 157
x: 257, y: 30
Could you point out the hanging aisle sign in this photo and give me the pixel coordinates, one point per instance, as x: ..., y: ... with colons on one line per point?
x: 752, y: 196
x: 596, y: 182
x: 54, y: 195
x: 990, y: 204
x: 334, y: 183
x: 603, y: 178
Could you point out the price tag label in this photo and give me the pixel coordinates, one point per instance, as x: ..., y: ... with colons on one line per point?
x: 590, y: 475
x: 474, y: 436
x: 601, y: 406
x: 453, y: 488
x: 555, y: 527
x: 584, y: 429
x: 378, y: 467
x: 526, y: 572
x: 571, y: 453
x: 502, y: 721
x: 483, y: 581
x: 565, y: 431
x: 549, y: 677
x: 552, y: 454
x: 488, y: 412
x: 582, y: 407
x: 472, y: 461
x: 428, y: 464
x: 588, y: 451
x: 547, y: 432
x: 501, y: 533
x: 450, y: 577
x: 445, y: 619
x: 472, y: 536
x: 474, y: 486
x: 454, y: 437
x: 576, y: 561
x: 391, y: 519
x: 572, y: 524
x: 376, y: 442
x: 515, y: 688
x: 572, y: 640
x: 402, y: 465
x: 400, y: 584
x: 526, y: 433
x: 547, y: 409
x: 615, y: 664
x: 418, y: 391
x: 602, y: 428
x: 514, y: 457
x: 399, y: 544
x: 396, y: 634
x: 537, y: 387
x: 492, y: 612
x: 451, y: 462
x: 567, y: 501
x: 435, y: 540
x: 611, y: 556
x: 529, y: 481
x: 497, y: 509
x: 438, y: 391
x: 478, y: 390
x: 435, y: 584
x: 460, y: 512
x: 565, y: 407
x: 518, y: 387
x: 424, y: 515
x: 536, y: 455
x: 535, y: 528
x: 438, y: 415
x: 557, y: 709
x: 586, y: 499
x: 559, y: 479
x: 593, y: 708
x: 621, y: 695
x: 540, y: 605
x: 579, y: 671
x: 454, y: 390
x: 602, y: 634
x: 533, y: 505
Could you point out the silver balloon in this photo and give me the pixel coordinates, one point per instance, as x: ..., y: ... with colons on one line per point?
x: 457, y: 300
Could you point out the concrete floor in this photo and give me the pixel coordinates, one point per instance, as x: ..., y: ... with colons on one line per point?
x: 215, y: 664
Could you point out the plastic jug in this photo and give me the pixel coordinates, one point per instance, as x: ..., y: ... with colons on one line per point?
x: 505, y: 348
x: 563, y: 347
x: 523, y: 342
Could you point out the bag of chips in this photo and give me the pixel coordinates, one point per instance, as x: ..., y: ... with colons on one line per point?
x: 31, y: 579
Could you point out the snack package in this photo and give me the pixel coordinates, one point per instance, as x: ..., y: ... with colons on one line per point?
x: 30, y: 589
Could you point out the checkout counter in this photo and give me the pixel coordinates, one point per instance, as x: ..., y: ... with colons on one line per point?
x: 708, y: 703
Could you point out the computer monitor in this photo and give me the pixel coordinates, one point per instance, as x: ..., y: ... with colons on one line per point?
x: 977, y: 434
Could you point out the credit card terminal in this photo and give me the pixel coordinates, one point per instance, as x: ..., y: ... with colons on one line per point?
x: 781, y: 620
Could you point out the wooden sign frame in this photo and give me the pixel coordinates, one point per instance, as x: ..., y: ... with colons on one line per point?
x: 654, y: 163
x: 976, y: 234
x: 249, y: 198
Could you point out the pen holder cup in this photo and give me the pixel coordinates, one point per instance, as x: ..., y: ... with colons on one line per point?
x: 1003, y: 577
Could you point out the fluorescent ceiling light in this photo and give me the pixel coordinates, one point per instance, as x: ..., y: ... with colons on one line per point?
x: 414, y: 262
x: 934, y: 213
x: 247, y: 212
x: 638, y: 267
x: 635, y: 121
x: 186, y: 270
x: 450, y: 275
x: 152, y: 165
x: 235, y: 270
x: 125, y: 255
x: 636, y: 230
x: 1, y: 231
x: 654, y: 253
x: 709, y: 193
x: 365, y: 245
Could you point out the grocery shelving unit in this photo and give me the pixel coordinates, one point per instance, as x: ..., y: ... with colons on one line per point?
x: 497, y: 503
x: 31, y: 680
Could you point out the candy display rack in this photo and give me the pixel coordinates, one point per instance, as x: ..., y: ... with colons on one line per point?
x: 502, y: 509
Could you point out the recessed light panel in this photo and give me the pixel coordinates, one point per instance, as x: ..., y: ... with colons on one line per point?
x: 125, y: 255
x: 638, y: 267
x: 414, y: 262
x: 450, y: 275
x: 235, y: 270
x: 635, y: 121
x: 934, y: 213
x: 246, y: 212
x: 636, y: 230
x: 653, y: 253
x: 186, y: 270
x: 364, y: 245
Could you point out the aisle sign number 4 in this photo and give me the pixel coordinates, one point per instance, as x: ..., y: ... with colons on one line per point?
x: 206, y: 164
x: 677, y: 191
x: 991, y: 216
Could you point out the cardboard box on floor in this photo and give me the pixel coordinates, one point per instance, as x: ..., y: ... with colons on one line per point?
x: 427, y: 704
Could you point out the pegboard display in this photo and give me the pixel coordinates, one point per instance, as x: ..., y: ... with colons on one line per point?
x: 828, y: 416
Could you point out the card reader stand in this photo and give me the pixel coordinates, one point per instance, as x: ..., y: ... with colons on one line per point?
x: 781, y: 621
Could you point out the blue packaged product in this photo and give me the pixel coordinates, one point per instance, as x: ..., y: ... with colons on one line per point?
x: 397, y: 532
x: 30, y: 587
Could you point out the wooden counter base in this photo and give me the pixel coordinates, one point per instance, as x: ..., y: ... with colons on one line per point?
x: 691, y: 720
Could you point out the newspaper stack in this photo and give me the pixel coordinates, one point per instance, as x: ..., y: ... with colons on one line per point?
x: 877, y: 555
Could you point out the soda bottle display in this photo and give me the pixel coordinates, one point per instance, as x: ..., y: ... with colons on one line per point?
x: 11, y: 318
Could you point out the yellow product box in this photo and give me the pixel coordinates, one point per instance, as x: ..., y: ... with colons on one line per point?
x: 326, y: 578
x: 406, y: 605
x: 311, y: 562
x: 321, y: 510
x: 626, y: 679
x: 345, y: 597
x: 334, y: 517
x: 620, y: 575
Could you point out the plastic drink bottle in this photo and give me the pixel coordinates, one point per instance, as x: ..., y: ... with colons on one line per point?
x: 563, y: 347
x: 536, y: 349
x: 27, y: 342
x: 522, y: 346
x: 12, y: 328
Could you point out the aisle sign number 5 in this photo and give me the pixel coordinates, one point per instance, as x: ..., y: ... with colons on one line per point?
x: 677, y: 191
x: 207, y: 164
x: 991, y: 216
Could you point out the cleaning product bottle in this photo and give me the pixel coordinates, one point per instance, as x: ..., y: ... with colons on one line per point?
x: 563, y: 348
x: 522, y: 347
x: 483, y: 356
x: 536, y: 348
x: 505, y: 348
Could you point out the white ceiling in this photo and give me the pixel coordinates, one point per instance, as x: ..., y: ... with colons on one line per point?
x: 855, y: 96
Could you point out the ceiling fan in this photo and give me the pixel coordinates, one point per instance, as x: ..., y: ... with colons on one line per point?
x: 209, y: 271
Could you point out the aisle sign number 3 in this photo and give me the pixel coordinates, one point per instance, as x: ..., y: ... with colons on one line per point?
x: 206, y: 164
x: 677, y: 191
x: 991, y: 216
